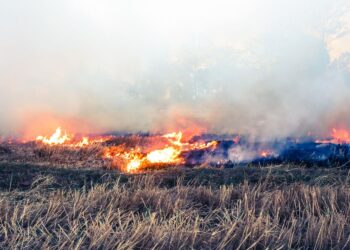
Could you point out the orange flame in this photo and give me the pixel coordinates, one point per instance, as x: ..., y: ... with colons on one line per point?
x: 341, y: 135
x: 338, y: 136
x: 64, y: 139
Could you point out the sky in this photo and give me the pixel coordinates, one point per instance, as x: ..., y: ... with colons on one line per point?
x: 264, y: 68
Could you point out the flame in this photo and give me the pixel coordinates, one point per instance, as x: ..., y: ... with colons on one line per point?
x: 137, y: 159
x: 338, y: 136
x: 264, y: 154
x: 56, y: 139
x: 134, y: 159
x: 174, y: 138
x: 64, y: 139
x: 166, y: 155
x: 267, y: 153
x: 84, y: 142
x: 133, y: 165
x: 341, y: 135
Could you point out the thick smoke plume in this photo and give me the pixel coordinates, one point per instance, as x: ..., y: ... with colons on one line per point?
x: 264, y: 68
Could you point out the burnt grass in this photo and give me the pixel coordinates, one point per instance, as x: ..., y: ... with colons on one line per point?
x: 245, y: 207
x: 20, y: 176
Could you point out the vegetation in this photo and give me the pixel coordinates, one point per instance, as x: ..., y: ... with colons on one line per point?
x: 243, y: 208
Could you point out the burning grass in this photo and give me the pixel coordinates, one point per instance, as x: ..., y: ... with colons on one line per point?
x: 276, y: 207
x: 139, y: 152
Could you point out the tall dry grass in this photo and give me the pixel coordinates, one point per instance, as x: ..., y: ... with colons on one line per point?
x: 141, y: 214
x: 66, y: 157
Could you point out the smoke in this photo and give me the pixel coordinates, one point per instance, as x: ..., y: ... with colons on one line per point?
x: 268, y: 69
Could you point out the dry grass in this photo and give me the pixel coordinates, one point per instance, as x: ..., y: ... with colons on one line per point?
x: 142, y: 213
x: 68, y: 157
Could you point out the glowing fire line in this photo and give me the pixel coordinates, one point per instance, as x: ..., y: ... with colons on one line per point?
x: 60, y: 138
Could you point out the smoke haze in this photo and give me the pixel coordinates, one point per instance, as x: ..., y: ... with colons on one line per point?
x: 265, y: 68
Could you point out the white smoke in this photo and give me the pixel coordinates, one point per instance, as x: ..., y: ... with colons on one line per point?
x: 265, y: 68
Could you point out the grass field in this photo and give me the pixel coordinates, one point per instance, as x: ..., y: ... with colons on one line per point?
x: 277, y: 207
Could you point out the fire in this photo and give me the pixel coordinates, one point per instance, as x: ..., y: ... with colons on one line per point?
x: 174, y: 138
x: 338, y: 136
x: 267, y: 153
x: 341, y: 135
x: 56, y: 139
x: 134, y: 160
x: 131, y: 159
x: 133, y: 165
x: 161, y: 150
x: 264, y: 154
x: 166, y: 155
x: 64, y: 139
x: 84, y: 142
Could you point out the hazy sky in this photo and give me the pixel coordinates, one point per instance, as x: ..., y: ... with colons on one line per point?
x: 270, y: 68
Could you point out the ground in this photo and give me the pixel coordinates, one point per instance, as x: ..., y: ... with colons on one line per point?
x: 276, y: 207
